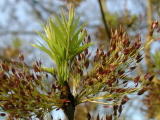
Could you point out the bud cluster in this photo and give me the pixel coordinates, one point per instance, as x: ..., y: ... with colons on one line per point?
x: 22, y: 88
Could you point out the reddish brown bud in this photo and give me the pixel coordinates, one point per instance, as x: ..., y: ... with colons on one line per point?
x: 126, y: 42
x: 100, y: 70
x: 2, y: 114
x: 126, y: 51
x: 80, y: 71
x: 116, y: 55
x: 112, y: 67
x: 86, y: 64
x: 139, y: 60
x: 13, y: 71
x: 36, y: 68
x: 101, y: 52
x: 120, y: 110
x: 137, y: 45
x: 154, y: 25
x: 88, y: 116
x: 86, y: 52
x: 124, y: 100
x: 138, y: 56
x: 5, y: 67
x: 149, y: 77
x: 106, y: 71
x: 132, y: 68
x: 120, y: 72
x: 109, y: 117
x: 90, y: 82
x: 120, y: 90
x: 21, y: 57
x: 113, y: 47
x: 136, y: 79
x: 115, y: 108
x: 142, y: 91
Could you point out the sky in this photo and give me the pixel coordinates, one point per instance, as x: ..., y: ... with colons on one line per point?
x: 90, y: 6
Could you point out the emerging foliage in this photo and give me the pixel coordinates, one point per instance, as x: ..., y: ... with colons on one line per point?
x: 79, y: 76
x: 63, y: 37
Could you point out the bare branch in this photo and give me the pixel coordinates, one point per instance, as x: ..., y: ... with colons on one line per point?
x: 104, y: 20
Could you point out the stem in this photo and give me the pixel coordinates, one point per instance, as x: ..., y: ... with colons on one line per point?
x: 104, y: 19
x: 68, y: 107
x: 149, y: 37
x: 69, y: 112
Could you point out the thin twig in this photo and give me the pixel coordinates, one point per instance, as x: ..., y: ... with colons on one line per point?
x: 149, y: 37
x: 19, y: 32
x: 104, y: 20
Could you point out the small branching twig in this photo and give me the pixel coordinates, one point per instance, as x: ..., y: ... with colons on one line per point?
x: 104, y: 20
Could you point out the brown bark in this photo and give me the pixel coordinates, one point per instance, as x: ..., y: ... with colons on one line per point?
x: 68, y: 106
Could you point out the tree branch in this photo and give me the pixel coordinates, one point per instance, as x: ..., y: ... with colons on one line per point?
x: 18, y: 32
x: 104, y: 19
x: 149, y: 37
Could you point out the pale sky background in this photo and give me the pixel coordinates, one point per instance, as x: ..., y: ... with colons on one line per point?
x: 90, y: 6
